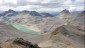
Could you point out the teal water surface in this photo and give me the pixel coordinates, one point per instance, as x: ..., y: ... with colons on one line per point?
x: 23, y: 28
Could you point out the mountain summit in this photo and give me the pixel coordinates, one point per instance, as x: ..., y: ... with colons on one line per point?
x: 82, y: 14
x: 64, y: 14
x: 34, y: 13
x: 9, y: 13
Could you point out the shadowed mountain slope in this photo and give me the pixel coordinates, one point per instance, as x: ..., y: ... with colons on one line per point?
x: 18, y: 43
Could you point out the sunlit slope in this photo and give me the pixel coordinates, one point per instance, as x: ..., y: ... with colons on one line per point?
x: 65, y: 36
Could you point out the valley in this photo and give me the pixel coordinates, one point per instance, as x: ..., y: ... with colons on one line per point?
x: 62, y: 31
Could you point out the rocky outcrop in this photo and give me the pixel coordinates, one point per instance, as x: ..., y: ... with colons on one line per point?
x: 18, y: 43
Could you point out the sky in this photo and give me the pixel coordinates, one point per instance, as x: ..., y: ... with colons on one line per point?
x: 42, y: 5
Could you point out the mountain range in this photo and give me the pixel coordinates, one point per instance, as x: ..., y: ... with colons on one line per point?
x: 65, y: 30
x: 11, y: 12
x: 33, y: 13
x: 31, y: 19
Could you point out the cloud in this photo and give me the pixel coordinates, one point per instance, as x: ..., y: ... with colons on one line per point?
x: 79, y: 1
x: 0, y: 2
x: 43, y: 5
x: 22, y: 2
x: 10, y: 1
x: 35, y: 1
x: 76, y: 8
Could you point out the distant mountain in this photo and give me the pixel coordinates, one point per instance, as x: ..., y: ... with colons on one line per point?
x: 1, y: 11
x: 46, y: 14
x: 75, y: 12
x: 64, y: 14
x: 9, y: 13
x: 34, y: 13
x: 25, y: 11
x: 81, y: 14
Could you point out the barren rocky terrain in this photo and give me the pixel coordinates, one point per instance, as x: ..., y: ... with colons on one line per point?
x: 62, y: 31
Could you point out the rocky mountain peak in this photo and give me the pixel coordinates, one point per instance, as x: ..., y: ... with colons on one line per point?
x: 34, y: 13
x: 82, y: 13
x: 65, y: 12
x: 25, y: 11
x: 10, y: 10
